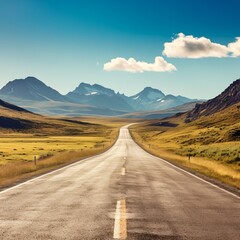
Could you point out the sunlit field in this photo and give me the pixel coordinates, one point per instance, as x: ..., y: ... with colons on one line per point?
x: 24, y: 154
x: 210, y: 146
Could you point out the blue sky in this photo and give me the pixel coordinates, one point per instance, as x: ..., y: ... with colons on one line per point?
x: 65, y: 42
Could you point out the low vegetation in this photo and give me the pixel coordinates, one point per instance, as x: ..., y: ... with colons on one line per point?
x: 210, y: 145
x: 53, y: 143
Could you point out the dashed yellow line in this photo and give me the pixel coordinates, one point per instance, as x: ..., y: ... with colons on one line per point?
x: 123, y: 173
x: 120, y: 226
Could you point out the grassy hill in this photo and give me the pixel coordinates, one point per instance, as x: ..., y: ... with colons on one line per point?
x: 213, y: 142
x: 53, y: 141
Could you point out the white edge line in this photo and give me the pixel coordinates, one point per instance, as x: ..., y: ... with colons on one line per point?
x: 224, y: 190
x: 52, y: 172
x: 61, y: 168
x: 80, y: 161
x: 123, y: 171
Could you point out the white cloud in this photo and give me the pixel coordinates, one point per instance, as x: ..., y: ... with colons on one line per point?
x: 131, y: 65
x: 234, y: 48
x: 193, y: 47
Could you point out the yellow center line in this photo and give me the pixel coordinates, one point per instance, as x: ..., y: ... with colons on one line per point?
x: 123, y: 171
x: 120, y: 226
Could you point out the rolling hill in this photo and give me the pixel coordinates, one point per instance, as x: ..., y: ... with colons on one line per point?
x: 205, y: 139
x: 14, y: 119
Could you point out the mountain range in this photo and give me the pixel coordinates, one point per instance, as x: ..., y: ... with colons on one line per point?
x: 223, y: 109
x: 33, y: 95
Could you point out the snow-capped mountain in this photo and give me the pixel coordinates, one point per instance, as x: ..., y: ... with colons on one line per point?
x: 148, y: 94
x: 99, y: 96
x: 153, y: 99
x: 87, y: 89
x: 34, y: 95
x: 170, y: 101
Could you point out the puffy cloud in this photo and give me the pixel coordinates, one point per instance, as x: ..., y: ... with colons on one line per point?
x: 234, y: 48
x: 131, y: 65
x: 193, y: 47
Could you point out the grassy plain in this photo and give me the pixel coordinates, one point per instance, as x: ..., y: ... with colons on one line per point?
x: 212, y: 142
x: 54, y: 142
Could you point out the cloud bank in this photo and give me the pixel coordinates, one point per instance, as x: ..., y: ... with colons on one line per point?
x: 133, y: 66
x: 181, y: 47
x: 234, y: 48
x: 192, y: 47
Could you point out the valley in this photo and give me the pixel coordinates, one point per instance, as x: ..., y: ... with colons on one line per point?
x: 54, y: 142
x: 204, y: 138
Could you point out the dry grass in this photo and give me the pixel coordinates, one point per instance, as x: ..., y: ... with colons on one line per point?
x: 208, y: 141
x: 55, y: 142
x: 10, y: 173
x: 15, y: 149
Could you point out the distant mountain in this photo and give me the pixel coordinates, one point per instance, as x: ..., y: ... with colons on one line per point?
x: 224, y: 100
x: 86, y: 99
x: 148, y: 94
x: 170, y: 101
x: 144, y: 99
x: 95, y: 89
x: 151, y: 99
x: 99, y: 96
x: 54, y: 108
x: 31, y: 88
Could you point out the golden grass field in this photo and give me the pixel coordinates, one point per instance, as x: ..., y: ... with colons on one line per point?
x: 54, y: 142
x: 213, y: 143
x: 210, y: 142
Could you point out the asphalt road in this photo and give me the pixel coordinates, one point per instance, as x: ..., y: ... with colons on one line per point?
x: 124, y: 193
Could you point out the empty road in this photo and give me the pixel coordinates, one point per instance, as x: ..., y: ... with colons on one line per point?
x: 124, y: 193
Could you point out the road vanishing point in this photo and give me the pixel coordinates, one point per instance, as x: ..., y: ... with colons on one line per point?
x: 124, y: 193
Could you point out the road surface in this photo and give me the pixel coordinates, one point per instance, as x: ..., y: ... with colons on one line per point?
x: 124, y: 193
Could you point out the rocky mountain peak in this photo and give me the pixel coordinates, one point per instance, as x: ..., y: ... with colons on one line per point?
x: 149, y: 94
x: 31, y: 88
x: 88, y: 89
x: 227, y: 98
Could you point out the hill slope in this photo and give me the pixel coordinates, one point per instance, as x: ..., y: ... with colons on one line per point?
x: 6, y: 105
x: 14, y: 117
x: 227, y: 98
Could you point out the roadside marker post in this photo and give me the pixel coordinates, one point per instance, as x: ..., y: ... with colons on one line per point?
x: 35, y: 160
